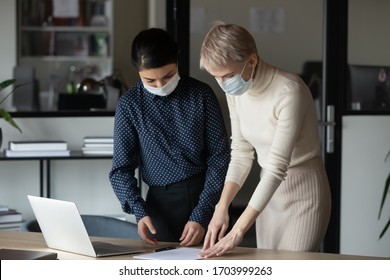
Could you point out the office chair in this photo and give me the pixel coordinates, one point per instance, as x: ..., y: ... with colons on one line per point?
x: 101, y: 226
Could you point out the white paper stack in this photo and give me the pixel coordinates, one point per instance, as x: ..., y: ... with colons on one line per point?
x: 98, y: 145
x: 37, y: 149
x: 10, y: 219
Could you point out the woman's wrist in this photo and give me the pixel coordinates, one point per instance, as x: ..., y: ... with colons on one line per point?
x: 222, y: 207
x: 238, y: 232
x: 246, y: 219
x: 230, y: 190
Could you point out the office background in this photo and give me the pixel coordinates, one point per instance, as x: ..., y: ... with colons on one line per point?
x: 291, y: 36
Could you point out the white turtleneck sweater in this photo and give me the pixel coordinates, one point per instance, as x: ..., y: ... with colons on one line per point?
x: 277, y: 118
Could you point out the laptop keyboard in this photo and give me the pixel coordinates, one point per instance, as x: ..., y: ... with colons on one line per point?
x: 108, y: 248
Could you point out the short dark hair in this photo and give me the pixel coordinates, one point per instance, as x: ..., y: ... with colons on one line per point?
x: 153, y: 48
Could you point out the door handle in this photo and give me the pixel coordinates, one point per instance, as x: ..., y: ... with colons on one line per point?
x: 330, y: 124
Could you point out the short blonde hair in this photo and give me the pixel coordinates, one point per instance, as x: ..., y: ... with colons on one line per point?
x: 226, y: 43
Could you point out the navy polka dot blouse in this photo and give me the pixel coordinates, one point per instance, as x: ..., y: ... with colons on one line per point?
x: 170, y: 139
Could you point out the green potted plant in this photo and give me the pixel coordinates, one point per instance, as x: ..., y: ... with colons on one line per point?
x: 3, y: 113
x: 385, y: 192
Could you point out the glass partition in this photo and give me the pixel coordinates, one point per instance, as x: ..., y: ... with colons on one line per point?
x: 65, y: 51
x: 368, y: 58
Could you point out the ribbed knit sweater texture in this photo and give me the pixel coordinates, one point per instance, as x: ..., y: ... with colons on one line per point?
x: 276, y: 119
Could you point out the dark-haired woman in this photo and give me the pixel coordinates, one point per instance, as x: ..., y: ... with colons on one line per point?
x: 171, y: 128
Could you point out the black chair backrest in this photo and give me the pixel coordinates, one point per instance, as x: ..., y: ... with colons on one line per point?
x: 101, y: 226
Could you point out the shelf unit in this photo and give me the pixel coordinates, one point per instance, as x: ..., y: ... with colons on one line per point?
x: 65, y: 41
x: 45, y: 166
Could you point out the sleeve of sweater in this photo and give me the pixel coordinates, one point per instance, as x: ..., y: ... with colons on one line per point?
x: 242, y: 152
x: 290, y: 110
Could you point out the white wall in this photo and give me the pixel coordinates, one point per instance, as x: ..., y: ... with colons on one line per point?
x: 368, y: 33
x: 291, y: 35
x: 366, y: 142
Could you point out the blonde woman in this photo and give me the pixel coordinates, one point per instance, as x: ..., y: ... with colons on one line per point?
x: 272, y: 114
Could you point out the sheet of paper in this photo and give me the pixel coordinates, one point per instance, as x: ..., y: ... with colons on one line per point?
x: 184, y: 253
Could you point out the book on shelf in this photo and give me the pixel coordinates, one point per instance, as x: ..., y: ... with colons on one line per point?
x: 37, y: 153
x: 37, y: 145
x: 10, y: 216
x: 99, y: 145
x: 97, y: 151
x: 18, y: 254
x: 98, y: 139
x: 15, y: 226
x: 4, y: 208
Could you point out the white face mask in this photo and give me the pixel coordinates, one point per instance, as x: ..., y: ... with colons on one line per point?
x: 166, y: 89
x: 236, y: 85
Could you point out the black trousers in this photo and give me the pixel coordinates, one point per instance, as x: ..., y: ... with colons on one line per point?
x: 171, y: 206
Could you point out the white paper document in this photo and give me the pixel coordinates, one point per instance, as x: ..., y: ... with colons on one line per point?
x: 184, y: 253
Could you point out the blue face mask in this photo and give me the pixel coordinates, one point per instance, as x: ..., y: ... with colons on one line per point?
x: 236, y: 85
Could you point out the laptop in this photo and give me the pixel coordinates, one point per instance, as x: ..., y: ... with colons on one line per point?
x: 63, y: 229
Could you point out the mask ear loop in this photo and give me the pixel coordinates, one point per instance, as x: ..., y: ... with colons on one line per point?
x: 243, y: 68
x: 242, y: 71
x: 177, y: 66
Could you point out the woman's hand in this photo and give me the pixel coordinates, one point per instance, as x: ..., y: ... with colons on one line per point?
x: 234, y: 237
x: 192, y: 234
x: 145, y: 227
x: 217, y: 227
x: 226, y: 244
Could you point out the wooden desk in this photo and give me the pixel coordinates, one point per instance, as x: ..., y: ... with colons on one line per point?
x: 35, y: 241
